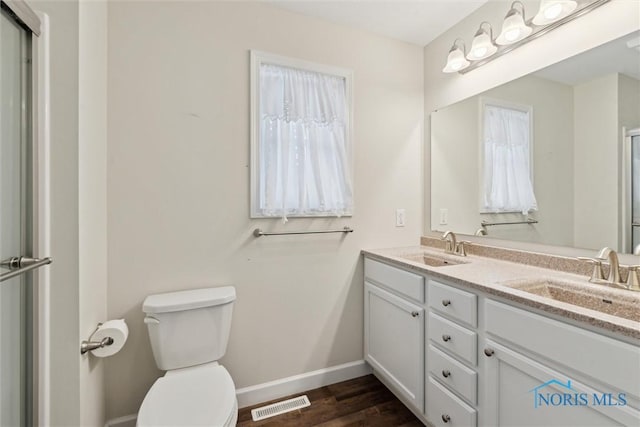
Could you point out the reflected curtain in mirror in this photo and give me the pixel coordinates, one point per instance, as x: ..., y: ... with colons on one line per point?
x: 507, y: 159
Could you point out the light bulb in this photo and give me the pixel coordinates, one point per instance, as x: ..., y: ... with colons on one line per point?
x: 479, y: 52
x: 514, y: 27
x: 456, y: 65
x: 512, y: 35
x: 456, y: 60
x: 553, y: 11
x: 482, y: 46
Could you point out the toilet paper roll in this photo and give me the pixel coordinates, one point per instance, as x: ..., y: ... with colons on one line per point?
x: 116, y: 329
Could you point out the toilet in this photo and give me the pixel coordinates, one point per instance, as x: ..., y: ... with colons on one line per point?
x: 189, y: 331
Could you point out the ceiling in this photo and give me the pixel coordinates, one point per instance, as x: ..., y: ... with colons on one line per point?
x: 618, y: 56
x: 417, y: 21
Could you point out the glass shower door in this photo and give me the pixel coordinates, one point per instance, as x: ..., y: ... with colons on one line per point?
x: 15, y: 202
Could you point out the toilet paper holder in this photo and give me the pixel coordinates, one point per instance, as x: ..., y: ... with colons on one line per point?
x: 86, y: 346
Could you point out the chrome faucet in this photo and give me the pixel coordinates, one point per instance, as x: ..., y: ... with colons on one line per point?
x: 614, y: 279
x: 452, y: 246
x: 614, y: 265
x: 450, y: 242
x: 481, y: 231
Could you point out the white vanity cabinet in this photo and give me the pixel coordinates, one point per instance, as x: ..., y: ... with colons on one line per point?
x: 452, y: 355
x: 543, y: 372
x: 462, y: 357
x: 394, y: 328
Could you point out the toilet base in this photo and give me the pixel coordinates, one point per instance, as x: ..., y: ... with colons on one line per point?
x: 202, y: 395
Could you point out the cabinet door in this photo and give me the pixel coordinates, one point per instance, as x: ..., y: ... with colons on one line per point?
x: 394, y: 341
x: 522, y: 392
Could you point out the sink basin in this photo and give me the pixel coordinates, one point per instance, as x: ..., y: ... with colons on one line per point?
x: 433, y: 260
x: 615, y: 302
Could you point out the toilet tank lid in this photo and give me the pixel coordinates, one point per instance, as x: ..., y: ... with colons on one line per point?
x: 187, y: 300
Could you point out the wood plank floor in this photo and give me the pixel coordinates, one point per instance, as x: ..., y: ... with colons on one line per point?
x: 363, y: 401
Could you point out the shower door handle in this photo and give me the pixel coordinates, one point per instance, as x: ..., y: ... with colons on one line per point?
x: 21, y: 265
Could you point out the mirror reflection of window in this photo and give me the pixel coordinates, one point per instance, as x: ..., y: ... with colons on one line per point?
x: 507, y: 150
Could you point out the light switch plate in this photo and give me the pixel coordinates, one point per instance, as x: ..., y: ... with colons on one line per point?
x: 400, y: 217
x: 444, y: 216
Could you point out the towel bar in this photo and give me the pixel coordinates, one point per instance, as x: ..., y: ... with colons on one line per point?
x: 258, y: 232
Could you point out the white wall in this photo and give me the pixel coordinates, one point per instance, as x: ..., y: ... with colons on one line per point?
x: 78, y: 208
x: 92, y: 195
x: 178, y: 184
x: 596, y: 163
x: 628, y: 102
x: 628, y: 118
x: 608, y: 22
x: 456, y: 166
x: 64, y: 317
x: 603, y: 107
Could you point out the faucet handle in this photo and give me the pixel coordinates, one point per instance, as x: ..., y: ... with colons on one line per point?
x: 633, y: 281
x: 597, y: 273
x: 461, y: 247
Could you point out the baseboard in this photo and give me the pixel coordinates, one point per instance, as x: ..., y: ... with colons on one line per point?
x: 271, y: 390
x: 126, y: 421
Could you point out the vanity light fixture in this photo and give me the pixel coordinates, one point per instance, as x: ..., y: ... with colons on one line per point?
x: 514, y: 27
x: 482, y: 46
x: 553, y: 10
x: 456, y: 60
x: 516, y: 31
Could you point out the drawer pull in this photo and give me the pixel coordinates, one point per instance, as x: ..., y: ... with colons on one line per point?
x: 446, y: 338
x: 446, y: 373
x: 446, y: 302
x: 488, y: 352
x: 446, y: 418
x: 415, y: 313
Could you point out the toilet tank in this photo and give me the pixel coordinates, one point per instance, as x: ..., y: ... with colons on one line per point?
x: 189, y: 328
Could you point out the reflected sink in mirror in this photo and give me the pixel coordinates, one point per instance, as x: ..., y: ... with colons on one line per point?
x: 616, y: 302
x: 434, y: 260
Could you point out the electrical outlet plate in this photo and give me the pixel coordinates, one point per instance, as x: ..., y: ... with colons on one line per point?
x: 444, y: 216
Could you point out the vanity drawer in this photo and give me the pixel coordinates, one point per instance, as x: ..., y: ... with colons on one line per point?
x: 454, y: 302
x: 446, y: 410
x: 454, y: 338
x: 403, y: 282
x: 612, y: 362
x: 453, y: 373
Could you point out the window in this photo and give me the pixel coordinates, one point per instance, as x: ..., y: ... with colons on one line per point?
x: 506, y: 148
x: 300, y: 139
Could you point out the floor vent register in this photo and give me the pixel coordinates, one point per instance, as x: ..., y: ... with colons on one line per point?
x: 280, y: 408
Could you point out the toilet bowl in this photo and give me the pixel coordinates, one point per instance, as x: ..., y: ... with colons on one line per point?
x: 189, y: 331
x: 199, y: 396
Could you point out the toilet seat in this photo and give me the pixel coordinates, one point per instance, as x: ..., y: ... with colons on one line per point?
x: 197, y: 396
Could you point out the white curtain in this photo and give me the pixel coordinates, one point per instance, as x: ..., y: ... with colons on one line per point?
x: 507, y: 183
x: 304, y: 152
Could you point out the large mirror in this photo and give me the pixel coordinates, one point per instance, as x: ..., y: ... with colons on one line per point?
x: 548, y: 158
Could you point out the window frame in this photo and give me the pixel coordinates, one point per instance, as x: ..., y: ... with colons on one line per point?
x: 500, y: 103
x: 257, y: 58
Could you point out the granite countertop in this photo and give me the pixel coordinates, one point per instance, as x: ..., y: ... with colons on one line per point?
x: 498, y: 277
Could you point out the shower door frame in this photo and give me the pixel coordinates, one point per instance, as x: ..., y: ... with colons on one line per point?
x: 37, y: 25
x: 626, y: 217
